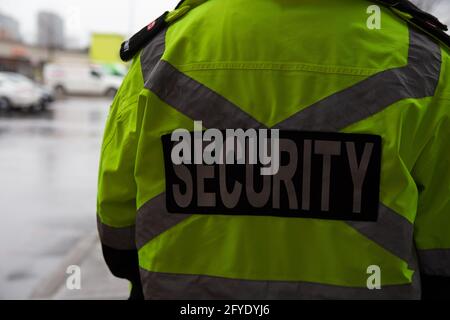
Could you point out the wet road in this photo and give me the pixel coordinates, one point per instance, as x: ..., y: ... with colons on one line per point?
x: 48, y: 173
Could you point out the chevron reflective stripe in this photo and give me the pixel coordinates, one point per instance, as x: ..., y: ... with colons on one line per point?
x: 435, y: 262
x: 419, y: 79
x: 117, y: 238
x: 165, y: 286
x: 195, y: 100
x: 392, y: 231
x: 153, y: 219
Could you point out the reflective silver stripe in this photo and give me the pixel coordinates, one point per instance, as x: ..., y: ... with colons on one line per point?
x: 418, y: 79
x: 153, y: 219
x: 435, y: 262
x: 116, y: 238
x: 391, y: 231
x: 164, y: 286
x: 152, y: 53
x: 195, y: 100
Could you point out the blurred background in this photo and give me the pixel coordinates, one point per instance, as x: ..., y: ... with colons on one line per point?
x: 59, y: 69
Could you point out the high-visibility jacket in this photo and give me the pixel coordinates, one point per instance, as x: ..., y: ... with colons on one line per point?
x: 307, y: 66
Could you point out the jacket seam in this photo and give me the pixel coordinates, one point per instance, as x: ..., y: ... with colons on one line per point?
x: 269, y: 66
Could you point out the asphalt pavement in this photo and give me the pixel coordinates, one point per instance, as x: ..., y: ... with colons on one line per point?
x: 48, y: 174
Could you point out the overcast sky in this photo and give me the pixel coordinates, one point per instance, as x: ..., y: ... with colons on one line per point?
x: 82, y: 17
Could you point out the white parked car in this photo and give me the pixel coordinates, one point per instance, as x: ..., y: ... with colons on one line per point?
x: 17, y: 91
x: 81, y: 79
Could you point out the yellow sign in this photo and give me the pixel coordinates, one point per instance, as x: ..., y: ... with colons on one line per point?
x: 105, y: 48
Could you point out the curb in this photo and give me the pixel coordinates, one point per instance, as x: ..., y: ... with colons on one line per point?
x: 49, y: 286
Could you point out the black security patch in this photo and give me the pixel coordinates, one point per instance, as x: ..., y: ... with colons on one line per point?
x: 333, y: 176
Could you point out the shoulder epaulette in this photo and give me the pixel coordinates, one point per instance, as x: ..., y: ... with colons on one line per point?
x: 132, y: 46
x: 421, y: 19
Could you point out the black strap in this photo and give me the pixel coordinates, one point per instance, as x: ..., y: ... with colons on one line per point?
x: 132, y: 46
x: 424, y: 20
x: 179, y: 4
x: 410, y: 8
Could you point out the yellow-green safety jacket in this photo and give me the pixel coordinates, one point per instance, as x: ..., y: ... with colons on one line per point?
x: 298, y: 65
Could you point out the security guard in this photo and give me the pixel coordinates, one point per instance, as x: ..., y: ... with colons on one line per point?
x: 360, y: 206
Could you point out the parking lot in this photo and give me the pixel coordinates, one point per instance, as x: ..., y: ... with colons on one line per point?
x: 48, y: 172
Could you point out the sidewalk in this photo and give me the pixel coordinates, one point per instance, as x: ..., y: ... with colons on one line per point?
x: 97, y: 282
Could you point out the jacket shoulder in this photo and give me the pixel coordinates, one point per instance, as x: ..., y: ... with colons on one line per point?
x: 133, y: 45
x: 419, y: 18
